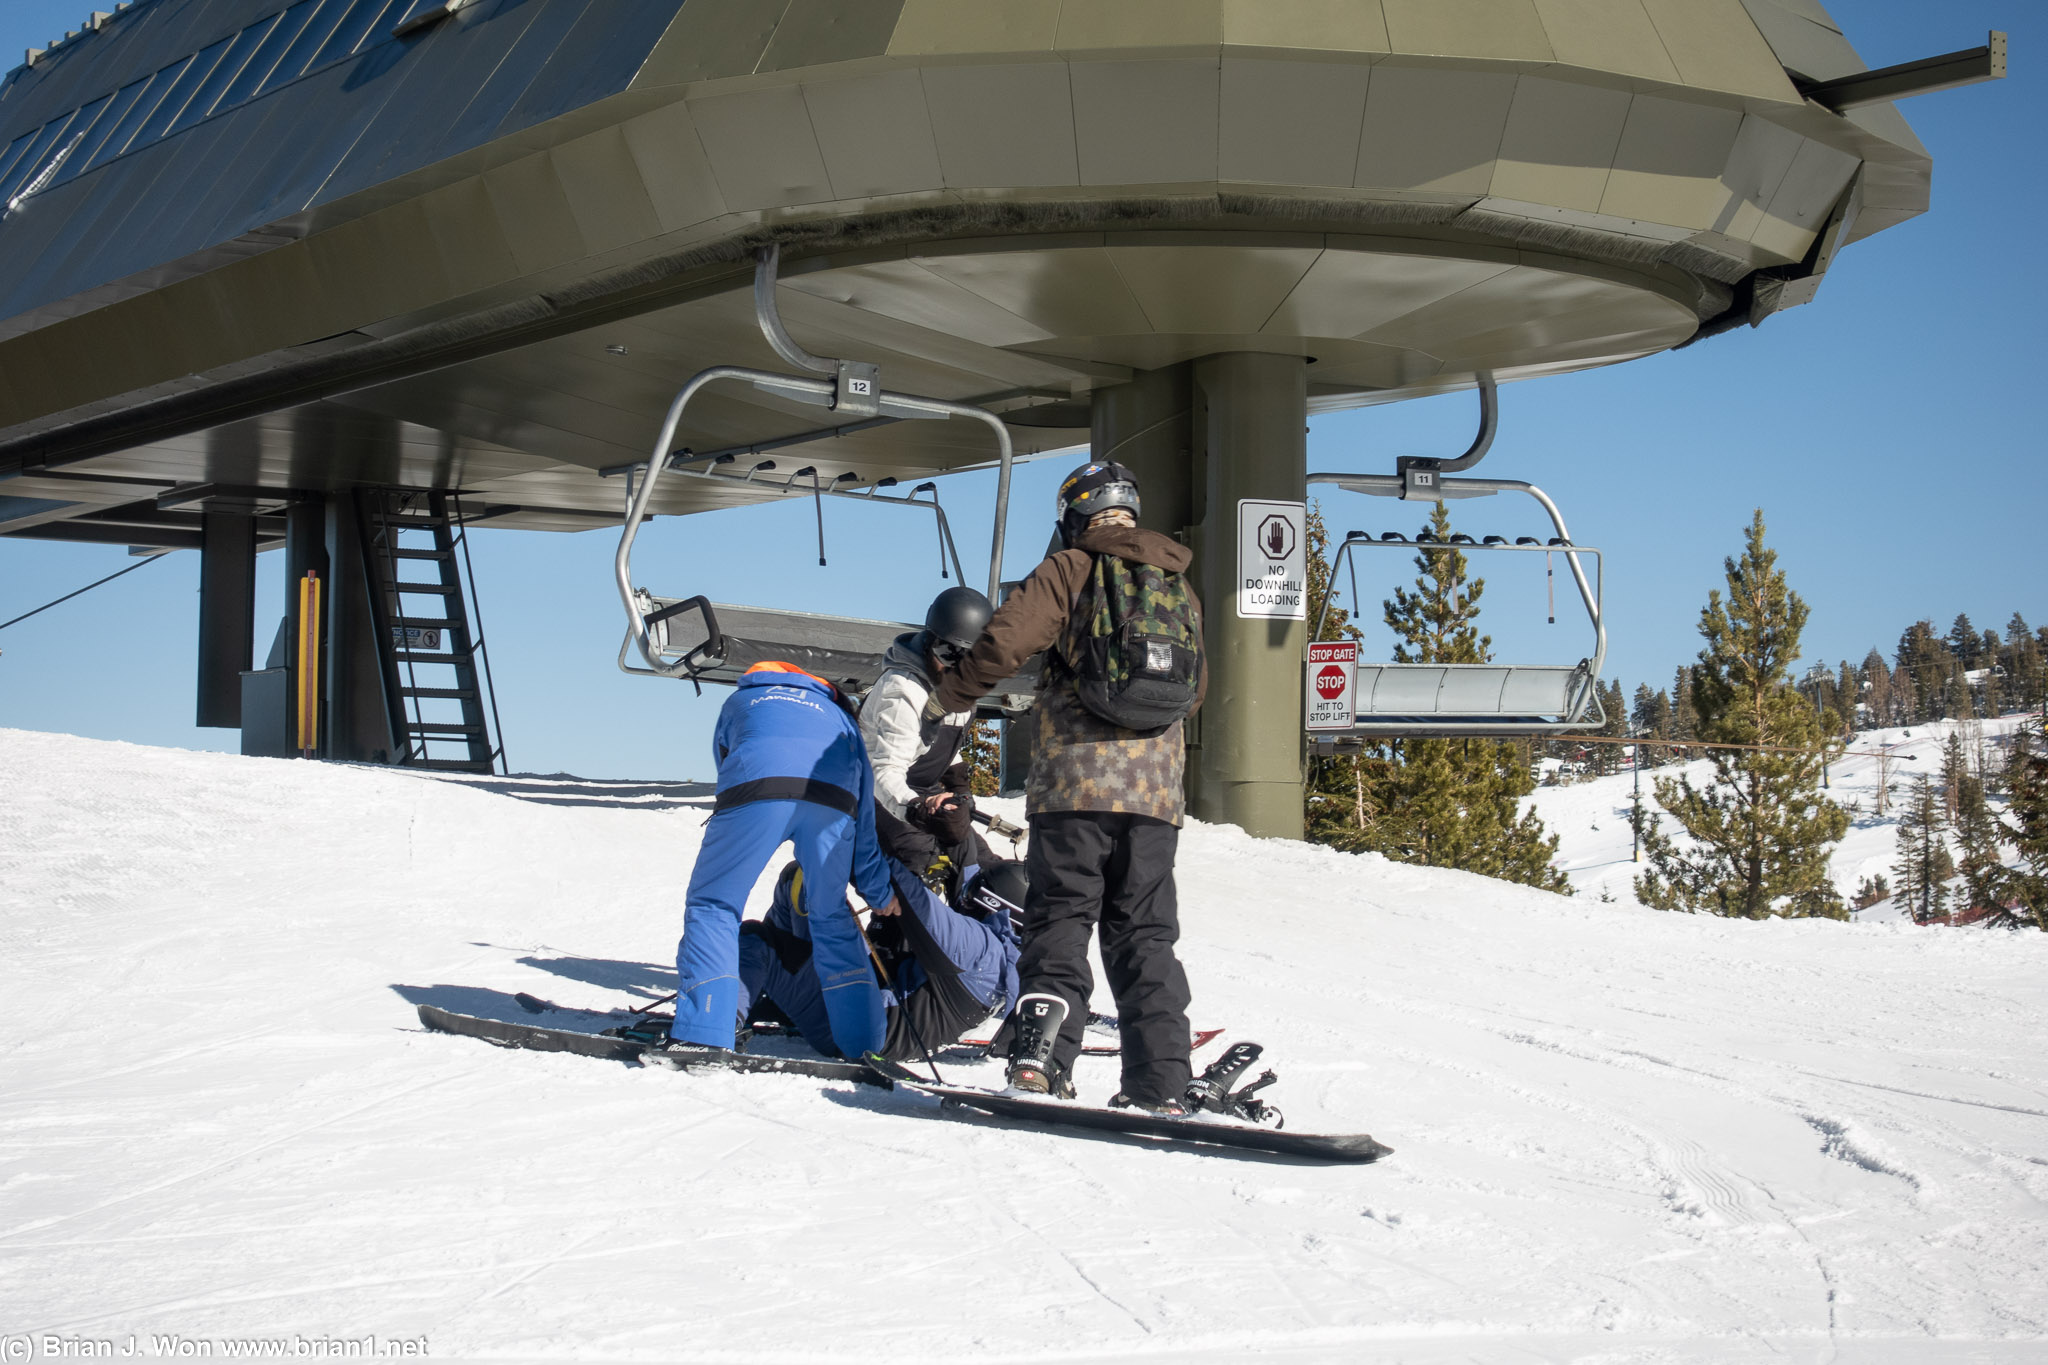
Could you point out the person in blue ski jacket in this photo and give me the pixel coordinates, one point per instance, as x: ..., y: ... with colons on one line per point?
x: 950, y: 969
x: 791, y: 766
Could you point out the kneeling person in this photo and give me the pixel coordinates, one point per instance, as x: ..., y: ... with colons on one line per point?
x: 956, y: 969
x: 923, y: 793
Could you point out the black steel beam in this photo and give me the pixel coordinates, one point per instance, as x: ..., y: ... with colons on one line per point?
x: 1923, y: 77
x: 94, y: 533
x: 227, y: 616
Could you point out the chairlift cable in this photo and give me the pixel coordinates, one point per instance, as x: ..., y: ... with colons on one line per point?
x: 1710, y: 744
x: 87, y: 588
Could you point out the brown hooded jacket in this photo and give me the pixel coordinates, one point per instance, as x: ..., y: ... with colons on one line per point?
x: 1079, y: 761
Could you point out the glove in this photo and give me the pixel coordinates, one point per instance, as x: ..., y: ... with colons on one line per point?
x: 948, y: 824
x: 934, y: 709
x: 959, y: 780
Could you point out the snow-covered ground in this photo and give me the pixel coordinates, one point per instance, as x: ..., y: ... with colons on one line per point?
x: 1620, y: 1136
x: 1590, y: 817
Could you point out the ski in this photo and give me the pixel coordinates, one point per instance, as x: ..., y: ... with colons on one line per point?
x: 1175, y: 1132
x: 534, y: 1038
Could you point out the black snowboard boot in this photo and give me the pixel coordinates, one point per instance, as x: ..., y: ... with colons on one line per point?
x: 1035, y: 1028
x: 1165, y: 1109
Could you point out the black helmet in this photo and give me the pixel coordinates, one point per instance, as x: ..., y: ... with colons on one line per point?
x: 1092, y: 489
x: 957, y: 618
x: 999, y: 889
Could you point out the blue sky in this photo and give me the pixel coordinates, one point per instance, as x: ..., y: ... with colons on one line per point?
x: 1888, y: 431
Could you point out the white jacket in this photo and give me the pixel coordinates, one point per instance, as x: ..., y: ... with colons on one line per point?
x: 892, y: 723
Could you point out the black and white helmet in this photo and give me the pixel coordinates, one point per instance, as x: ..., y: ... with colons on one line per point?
x: 1091, y: 490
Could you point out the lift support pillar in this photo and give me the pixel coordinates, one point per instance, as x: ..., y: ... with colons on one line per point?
x: 227, y: 615
x: 1201, y: 436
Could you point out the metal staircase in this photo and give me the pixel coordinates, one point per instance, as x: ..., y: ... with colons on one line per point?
x: 435, y: 667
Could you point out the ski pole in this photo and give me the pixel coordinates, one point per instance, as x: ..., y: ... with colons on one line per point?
x: 996, y: 824
x: 902, y: 1003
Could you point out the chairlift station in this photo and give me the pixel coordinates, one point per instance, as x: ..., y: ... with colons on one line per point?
x: 347, y: 276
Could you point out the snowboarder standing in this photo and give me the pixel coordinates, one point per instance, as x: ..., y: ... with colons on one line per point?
x: 1121, y: 631
x: 923, y: 799
x: 791, y: 766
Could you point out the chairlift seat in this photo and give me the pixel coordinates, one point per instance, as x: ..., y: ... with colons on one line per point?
x: 1468, y: 699
x: 721, y: 641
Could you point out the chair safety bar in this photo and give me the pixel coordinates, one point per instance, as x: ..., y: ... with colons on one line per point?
x: 854, y: 390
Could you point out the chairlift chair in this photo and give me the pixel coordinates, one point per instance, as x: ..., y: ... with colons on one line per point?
x: 703, y: 641
x: 1395, y: 700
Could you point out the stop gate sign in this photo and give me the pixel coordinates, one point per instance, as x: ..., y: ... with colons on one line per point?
x: 1332, y: 666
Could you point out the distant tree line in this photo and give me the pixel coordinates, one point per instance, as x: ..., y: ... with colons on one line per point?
x: 1962, y: 675
x: 1751, y: 836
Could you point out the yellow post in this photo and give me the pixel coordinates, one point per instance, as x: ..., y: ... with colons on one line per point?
x: 309, y: 664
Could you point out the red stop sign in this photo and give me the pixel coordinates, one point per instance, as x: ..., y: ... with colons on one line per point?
x: 1330, y: 682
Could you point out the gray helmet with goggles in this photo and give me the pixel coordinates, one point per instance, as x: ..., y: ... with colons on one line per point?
x: 1091, y: 490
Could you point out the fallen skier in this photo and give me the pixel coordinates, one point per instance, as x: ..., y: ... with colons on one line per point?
x: 948, y: 970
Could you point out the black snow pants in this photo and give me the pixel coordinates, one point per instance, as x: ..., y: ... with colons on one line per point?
x: 1090, y: 866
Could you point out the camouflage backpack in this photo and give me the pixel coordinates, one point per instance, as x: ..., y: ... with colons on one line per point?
x: 1134, y: 644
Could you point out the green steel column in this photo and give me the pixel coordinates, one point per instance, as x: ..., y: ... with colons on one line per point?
x: 1250, y: 431
x: 1146, y: 424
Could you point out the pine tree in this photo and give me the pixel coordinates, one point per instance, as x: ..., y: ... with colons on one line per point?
x: 1877, y: 679
x: 1759, y: 831
x: 1978, y: 837
x: 1963, y: 640
x: 1924, y: 864
x: 1905, y: 698
x: 1992, y: 694
x: 1848, y: 691
x: 2026, y: 782
x: 1606, y: 758
x: 1926, y: 661
x: 1338, y: 804
x: 1451, y: 802
x: 1685, y: 722
x: 1956, y: 702
x: 2022, y: 659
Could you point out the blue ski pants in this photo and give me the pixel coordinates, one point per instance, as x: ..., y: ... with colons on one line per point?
x: 738, y: 844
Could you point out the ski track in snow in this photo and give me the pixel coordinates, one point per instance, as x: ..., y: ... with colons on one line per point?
x: 1620, y: 1136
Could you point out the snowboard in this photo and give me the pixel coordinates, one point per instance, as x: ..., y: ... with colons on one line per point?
x: 536, y: 1039
x: 1188, y: 1133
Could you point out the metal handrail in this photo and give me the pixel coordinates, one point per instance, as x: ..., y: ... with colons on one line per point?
x: 681, y: 465
x: 1594, y: 601
x: 1391, y: 486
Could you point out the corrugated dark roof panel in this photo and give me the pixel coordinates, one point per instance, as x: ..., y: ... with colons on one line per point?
x: 193, y: 194
x: 454, y: 92
x: 598, y: 57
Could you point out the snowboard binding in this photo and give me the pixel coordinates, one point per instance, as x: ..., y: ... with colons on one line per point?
x: 1212, y: 1091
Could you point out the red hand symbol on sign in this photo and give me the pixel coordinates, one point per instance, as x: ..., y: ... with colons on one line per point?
x: 1330, y: 682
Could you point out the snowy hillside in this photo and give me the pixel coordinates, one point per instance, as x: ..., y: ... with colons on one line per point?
x: 1590, y: 817
x: 1619, y: 1136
